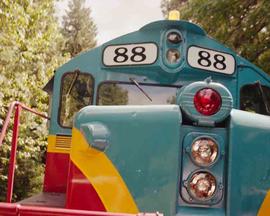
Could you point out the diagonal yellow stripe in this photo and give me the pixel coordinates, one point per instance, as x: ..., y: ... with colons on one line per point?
x: 102, y: 174
x: 265, y: 207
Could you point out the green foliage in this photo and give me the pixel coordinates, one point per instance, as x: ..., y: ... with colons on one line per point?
x: 112, y: 94
x: 78, y: 29
x: 29, y: 44
x: 243, y: 25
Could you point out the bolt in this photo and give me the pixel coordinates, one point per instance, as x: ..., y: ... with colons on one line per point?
x: 220, y: 186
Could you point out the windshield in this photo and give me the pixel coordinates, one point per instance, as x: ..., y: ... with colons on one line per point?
x: 129, y: 94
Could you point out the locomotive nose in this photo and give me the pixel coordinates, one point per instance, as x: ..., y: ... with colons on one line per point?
x: 130, y: 155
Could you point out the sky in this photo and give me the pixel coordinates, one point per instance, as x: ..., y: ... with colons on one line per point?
x: 117, y: 17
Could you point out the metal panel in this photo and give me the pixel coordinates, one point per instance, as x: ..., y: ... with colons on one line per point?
x: 248, y: 162
x: 144, y: 149
x: 63, y: 142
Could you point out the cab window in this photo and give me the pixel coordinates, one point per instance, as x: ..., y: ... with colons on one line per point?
x: 255, y: 98
x: 110, y: 93
x: 76, y: 93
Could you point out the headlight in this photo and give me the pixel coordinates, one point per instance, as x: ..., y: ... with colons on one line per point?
x: 204, y: 151
x: 174, y: 38
x: 202, y: 185
x: 173, y: 56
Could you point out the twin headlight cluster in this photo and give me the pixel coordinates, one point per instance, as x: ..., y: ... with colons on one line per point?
x: 203, y: 166
x: 202, y: 185
x: 172, y: 54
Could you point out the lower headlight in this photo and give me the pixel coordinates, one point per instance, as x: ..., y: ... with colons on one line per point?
x: 202, y: 185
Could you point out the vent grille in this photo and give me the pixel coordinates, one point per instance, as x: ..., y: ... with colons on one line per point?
x: 63, y: 142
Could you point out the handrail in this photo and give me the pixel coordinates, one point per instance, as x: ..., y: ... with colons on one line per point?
x: 17, y: 209
x: 12, y: 161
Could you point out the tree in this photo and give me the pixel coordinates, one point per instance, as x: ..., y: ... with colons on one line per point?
x: 244, y: 25
x: 29, y: 44
x: 78, y: 29
x: 112, y: 94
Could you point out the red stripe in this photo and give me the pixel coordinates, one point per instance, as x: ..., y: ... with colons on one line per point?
x: 80, y: 192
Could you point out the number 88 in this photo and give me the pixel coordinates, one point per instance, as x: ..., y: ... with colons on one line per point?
x: 205, y: 61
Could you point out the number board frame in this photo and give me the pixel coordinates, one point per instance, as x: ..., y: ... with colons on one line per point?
x: 130, y: 45
x: 213, y: 56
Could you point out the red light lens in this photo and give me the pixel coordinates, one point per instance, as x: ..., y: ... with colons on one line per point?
x: 207, y: 101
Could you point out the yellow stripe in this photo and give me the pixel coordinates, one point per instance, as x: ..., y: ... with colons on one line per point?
x: 52, y: 147
x: 102, y: 174
x: 265, y: 207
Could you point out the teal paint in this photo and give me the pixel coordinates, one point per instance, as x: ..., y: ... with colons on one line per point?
x: 159, y: 72
x: 248, y: 162
x: 155, y: 185
x: 187, y: 211
x: 97, y: 135
x: 145, y: 150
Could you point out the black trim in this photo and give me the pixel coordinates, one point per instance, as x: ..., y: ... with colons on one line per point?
x: 49, y: 86
x: 260, y: 92
x: 61, y: 89
x: 214, y: 51
x: 131, y: 83
x: 123, y: 65
x: 65, y: 135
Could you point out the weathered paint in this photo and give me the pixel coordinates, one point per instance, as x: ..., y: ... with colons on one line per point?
x: 156, y: 185
x: 80, y: 192
x: 144, y: 149
x: 102, y: 174
x: 52, y: 148
x: 56, y: 172
x: 265, y: 207
x: 57, y: 163
x: 248, y: 162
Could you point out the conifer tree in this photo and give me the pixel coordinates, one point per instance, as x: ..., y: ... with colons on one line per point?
x: 79, y: 29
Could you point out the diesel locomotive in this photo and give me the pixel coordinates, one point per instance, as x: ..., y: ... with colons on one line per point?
x: 165, y: 120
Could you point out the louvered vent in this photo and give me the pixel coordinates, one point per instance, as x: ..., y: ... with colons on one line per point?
x: 63, y: 142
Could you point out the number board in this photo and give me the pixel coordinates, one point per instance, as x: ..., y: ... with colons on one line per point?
x: 130, y: 54
x: 211, y: 60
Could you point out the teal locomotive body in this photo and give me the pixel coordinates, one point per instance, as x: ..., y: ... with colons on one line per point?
x: 168, y: 108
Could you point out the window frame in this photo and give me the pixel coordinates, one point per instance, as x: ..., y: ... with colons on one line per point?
x: 253, y: 84
x: 61, y: 91
x: 131, y: 83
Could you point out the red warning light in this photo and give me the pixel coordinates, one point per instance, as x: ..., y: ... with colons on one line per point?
x: 207, y: 101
